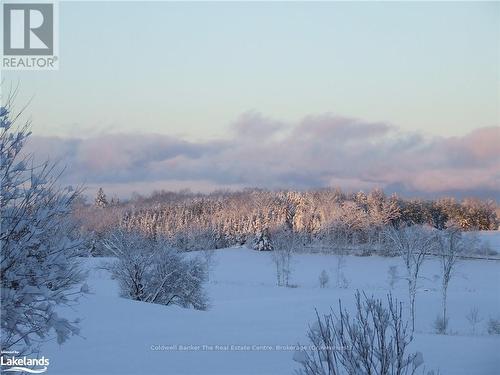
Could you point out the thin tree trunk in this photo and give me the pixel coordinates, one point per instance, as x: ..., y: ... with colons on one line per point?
x: 413, y: 292
x: 445, y: 294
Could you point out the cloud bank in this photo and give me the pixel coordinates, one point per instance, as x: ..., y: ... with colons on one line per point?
x: 319, y: 151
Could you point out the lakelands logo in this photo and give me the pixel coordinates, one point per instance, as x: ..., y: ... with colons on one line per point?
x: 29, y: 36
x: 11, y: 363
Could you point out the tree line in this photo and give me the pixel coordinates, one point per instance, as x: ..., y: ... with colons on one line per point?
x: 319, y: 218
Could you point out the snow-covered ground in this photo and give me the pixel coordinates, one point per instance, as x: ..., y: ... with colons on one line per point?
x: 120, y: 336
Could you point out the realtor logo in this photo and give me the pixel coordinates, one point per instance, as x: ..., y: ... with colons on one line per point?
x: 29, y: 36
x: 28, y: 29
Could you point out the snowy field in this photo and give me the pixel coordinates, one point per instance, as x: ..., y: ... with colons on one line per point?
x: 120, y: 336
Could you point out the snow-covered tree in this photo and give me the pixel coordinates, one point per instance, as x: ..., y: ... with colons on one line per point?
x: 382, y: 211
x: 323, y: 218
x: 262, y: 241
x: 179, y: 280
x: 39, y: 249
x: 135, y: 257
x: 412, y: 244
x: 478, y: 215
x: 413, y: 212
x: 450, y: 245
x: 374, y: 340
x: 150, y: 270
x: 100, y: 200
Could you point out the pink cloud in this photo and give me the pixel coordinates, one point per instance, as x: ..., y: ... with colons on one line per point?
x: 323, y: 150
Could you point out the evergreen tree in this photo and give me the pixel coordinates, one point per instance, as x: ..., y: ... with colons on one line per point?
x: 262, y: 241
x: 101, y: 201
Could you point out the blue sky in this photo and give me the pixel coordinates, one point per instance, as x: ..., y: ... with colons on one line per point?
x: 191, y: 69
x: 403, y: 96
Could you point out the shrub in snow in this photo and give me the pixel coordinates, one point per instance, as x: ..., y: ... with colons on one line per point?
x: 323, y: 279
x: 177, y: 279
x: 135, y: 255
x: 493, y: 326
x: 342, y: 282
x: 38, y: 258
x: 372, y: 341
x: 440, y: 325
x: 393, y: 276
x: 473, y: 318
x: 150, y: 270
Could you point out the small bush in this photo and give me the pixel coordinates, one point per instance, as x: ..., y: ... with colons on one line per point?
x: 372, y: 341
x: 393, y: 276
x: 494, y: 326
x: 441, y: 325
x: 323, y: 279
x: 473, y: 318
x: 343, y: 282
x: 149, y: 270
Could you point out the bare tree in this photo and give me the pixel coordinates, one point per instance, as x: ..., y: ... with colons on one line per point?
x: 285, y: 243
x: 412, y: 244
x: 450, y: 246
x: 473, y: 318
x: 342, y: 281
x: 373, y: 341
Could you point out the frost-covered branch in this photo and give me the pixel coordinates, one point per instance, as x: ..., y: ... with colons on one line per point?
x: 39, y: 245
